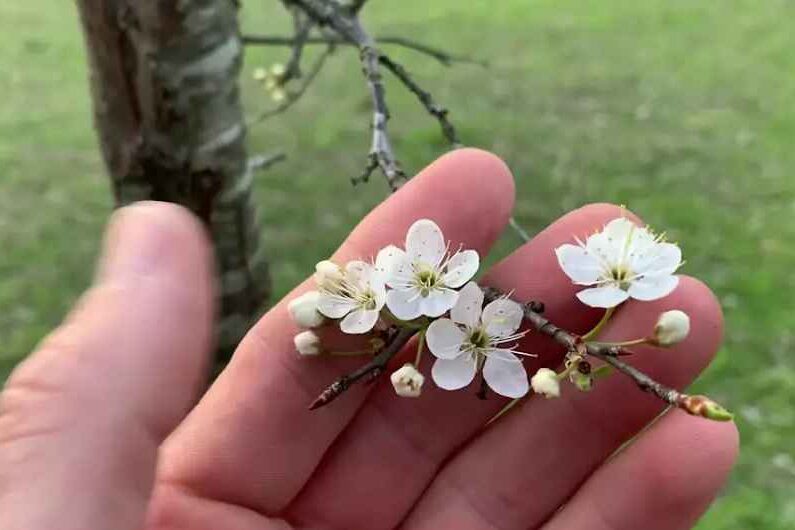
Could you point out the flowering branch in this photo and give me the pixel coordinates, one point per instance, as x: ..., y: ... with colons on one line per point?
x: 695, y: 405
x: 368, y: 372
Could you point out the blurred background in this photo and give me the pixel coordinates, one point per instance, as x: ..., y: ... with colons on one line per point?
x: 684, y: 111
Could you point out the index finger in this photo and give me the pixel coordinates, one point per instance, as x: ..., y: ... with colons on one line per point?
x: 251, y: 440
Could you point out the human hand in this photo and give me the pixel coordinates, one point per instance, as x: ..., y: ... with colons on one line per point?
x: 93, y: 433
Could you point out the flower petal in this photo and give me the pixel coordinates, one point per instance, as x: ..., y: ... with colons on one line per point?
x: 452, y: 374
x: 653, y: 287
x: 379, y: 290
x: 425, y: 242
x: 607, y: 296
x: 461, y: 268
x: 502, y: 317
x: 358, y: 272
x: 469, y: 306
x: 388, y: 261
x: 578, y: 264
x: 444, y: 338
x: 335, y: 306
x: 401, y: 272
x: 505, y: 374
x: 359, y: 321
x: 661, y: 259
x: 606, y: 251
x: 619, y: 229
x: 404, y: 304
x: 438, y: 302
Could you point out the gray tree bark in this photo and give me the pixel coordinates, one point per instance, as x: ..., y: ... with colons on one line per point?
x: 167, y: 111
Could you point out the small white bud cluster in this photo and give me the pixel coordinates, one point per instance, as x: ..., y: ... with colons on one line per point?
x: 672, y: 327
x: 407, y: 381
x: 272, y: 81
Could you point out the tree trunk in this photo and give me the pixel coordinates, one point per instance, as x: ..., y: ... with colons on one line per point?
x: 167, y: 110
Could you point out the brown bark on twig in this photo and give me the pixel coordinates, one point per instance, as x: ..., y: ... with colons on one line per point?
x: 368, y: 372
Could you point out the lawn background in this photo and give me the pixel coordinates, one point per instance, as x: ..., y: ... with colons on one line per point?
x: 682, y: 110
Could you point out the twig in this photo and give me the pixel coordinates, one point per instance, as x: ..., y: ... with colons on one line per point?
x: 521, y: 232
x: 381, y: 152
x: 345, y: 22
x: 293, y: 97
x: 369, y: 371
x: 695, y: 405
x: 303, y: 26
x: 433, y: 108
x: 260, y: 162
x: 445, y: 58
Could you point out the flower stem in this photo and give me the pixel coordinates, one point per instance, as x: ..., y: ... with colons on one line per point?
x: 633, y: 342
x: 420, y: 348
x: 349, y: 353
x: 505, y: 410
x: 601, y: 324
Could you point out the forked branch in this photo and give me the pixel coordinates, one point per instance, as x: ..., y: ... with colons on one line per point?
x: 368, y: 372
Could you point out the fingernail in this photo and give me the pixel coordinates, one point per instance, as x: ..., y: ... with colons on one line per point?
x: 136, y: 242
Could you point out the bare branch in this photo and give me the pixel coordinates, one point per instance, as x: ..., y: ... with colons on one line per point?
x: 346, y: 24
x: 433, y: 108
x: 303, y: 26
x: 293, y: 97
x: 368, y: 372
x: 381, y: 152
x: 262, y: 162
x: 444, y: 57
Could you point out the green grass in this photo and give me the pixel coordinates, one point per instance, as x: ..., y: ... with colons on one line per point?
x: 681, y: 110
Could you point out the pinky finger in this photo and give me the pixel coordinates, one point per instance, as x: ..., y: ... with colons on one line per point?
x: 665, y: 480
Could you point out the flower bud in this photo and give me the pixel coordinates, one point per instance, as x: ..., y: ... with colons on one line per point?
x: 546, y: 382
x: 308, y: 343
x: 278, y: 70
x: 260, y: 74
x: 672, y: 327
x: 327, y: 272
x: 270, y: 84
x: 705, y: 407
x: 304, y: 310
x: 278, y: 95
x: 407, y: 381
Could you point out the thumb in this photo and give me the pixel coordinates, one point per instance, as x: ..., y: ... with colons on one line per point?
x: 81, y: 419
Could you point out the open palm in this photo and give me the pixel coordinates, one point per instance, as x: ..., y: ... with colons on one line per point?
x: 250, y: 456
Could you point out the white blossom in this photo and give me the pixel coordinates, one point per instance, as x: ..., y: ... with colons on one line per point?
x: 424, y: 277
x: 620, y: 262
x: 303, y: 310
x: 545, y: 382
x: 308, y: 343
x: 407, y: 381
x: 472, y: 338
x: 672, y: 327
x: 356, y: 296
